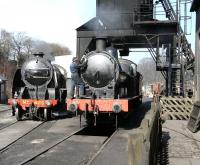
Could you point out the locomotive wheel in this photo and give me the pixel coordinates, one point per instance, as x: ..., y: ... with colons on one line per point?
x: 13, y: 111
x: 31, y: 116
x: 140, y: 100
x: 90, y: 119
x: 47, y: 114
x: 90, y: 122
x: 18, y: 114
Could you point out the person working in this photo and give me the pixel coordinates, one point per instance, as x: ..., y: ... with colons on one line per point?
x: 76, y: 80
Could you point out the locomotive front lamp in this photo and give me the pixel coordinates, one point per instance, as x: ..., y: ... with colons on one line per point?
x: 14, y: 102
x: 116, y: 108
x: 122, y: 77
x: 48, y: 103
x: 73, y: 107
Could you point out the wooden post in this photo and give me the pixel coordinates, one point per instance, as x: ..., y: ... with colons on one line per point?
x: 197, y: 58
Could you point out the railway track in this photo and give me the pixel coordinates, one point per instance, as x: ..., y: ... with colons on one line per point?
x: 81, y: 144
x: 12, y: 133
x: 7, y: 125
x: 64, y: 142
x: 6, y: 147
x: 50, y: 147
x: 6, y: 118
x: 83, y: 136
x: 60, y: 142
x: 37, y: 140
x: 101, y: 148
x: 4, y: 109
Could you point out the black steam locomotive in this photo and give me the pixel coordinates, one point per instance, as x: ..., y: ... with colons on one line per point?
x: 106, y: 76
x: 112, y: 85
x: 38, y: 88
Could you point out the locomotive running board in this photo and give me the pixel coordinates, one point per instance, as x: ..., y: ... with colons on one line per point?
x: 104, y: 105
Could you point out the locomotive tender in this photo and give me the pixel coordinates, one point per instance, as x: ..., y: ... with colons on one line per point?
x: 38, y: 88
x: 112, y: 85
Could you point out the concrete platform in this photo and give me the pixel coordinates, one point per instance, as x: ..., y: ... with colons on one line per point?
x: 179, y: 145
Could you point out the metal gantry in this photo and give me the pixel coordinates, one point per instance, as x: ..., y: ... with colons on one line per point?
x: 179, y: 56
x: 131, y: 24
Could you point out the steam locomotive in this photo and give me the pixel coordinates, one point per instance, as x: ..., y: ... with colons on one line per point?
x: 112, y: 85
x: 38, y: 88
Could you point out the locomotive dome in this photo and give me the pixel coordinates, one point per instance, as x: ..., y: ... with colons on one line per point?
x: 101, y: 69
x: 37, y: 71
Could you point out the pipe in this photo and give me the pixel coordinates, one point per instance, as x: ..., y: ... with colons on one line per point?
x: 100, y: 44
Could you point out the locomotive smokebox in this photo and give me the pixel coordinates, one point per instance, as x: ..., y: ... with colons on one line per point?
x: 100, y: 44
x: 36, y: 71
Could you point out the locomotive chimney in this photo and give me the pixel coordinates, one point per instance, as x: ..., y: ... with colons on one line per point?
x: 100, y: 44
x: 39, y: 54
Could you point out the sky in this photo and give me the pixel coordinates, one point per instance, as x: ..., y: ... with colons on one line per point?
x: 48, y: 20
x: 55, y: 20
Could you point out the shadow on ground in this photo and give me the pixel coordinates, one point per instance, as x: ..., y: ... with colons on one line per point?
x: 134, y: 120
x: 163, y: 155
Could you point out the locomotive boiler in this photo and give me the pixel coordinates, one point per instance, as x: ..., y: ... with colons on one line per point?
x: 112, y: 85
x: 108, y: 77
x: 38, y: 88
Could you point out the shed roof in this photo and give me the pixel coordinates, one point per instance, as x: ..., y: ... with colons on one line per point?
x: 195, y: 6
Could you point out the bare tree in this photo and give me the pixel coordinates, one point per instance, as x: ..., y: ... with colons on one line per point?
x: 41, y: 46
x: 5, y: 44
x: 148, y: 69
x: 16, y: 47
x: 28, y: 46
x: 7, y: 67
x: 17, y: 44
x: 22, y: 46
x: 50, y: 49
x: 57, y: 50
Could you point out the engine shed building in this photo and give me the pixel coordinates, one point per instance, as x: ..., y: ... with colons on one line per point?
x: 196, y: 8
x: 2, y: 89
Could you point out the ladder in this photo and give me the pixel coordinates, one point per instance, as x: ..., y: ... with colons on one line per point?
x: 171, y: 15
x: 184, y: 49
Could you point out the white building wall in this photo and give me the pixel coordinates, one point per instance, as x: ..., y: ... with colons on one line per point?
x: 64, y: 61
